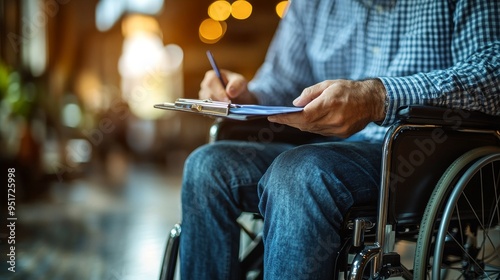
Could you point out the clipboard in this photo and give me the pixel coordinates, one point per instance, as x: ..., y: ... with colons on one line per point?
x: 225, y: 109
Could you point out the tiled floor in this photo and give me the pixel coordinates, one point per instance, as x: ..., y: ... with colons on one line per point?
x: 86, y: 229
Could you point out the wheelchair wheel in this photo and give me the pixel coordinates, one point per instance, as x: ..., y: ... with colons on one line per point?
x: 460, y: 231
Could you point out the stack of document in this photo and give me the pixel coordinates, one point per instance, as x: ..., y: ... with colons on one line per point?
x: 225, y: 109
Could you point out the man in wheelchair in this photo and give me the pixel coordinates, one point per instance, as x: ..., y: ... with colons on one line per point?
x: 351, y: 64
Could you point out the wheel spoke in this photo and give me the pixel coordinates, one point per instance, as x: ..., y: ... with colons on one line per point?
x: 466, y: 210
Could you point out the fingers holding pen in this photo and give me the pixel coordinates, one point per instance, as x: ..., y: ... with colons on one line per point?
x: 212, y: 88
x: 236, y: 84
x: 236, y: 89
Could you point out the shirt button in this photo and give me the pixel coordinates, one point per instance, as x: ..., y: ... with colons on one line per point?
x: 376, y: 50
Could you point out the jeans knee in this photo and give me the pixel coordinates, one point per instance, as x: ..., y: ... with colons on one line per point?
x: 340, y: 174
x: 292, y: 173
x: 207, y: 161
x: 215, y: 168
x: 297, y: 163
x: 199, y: 174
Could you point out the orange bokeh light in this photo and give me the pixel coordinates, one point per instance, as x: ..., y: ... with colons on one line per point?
x: 219, y: 10
x: 241, y: 9
x: 281, y: 8
x: 211, y: 31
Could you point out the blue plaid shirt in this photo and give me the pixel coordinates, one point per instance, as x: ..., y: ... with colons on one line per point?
x: 433, y: 52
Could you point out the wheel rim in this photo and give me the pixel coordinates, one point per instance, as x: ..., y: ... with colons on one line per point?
x: 431, y: 218
x: 473, y: 264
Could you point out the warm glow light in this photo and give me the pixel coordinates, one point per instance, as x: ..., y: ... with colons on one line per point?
x: 219, y: 10
x: 211, y: 30
x: 241, y: 9
x: 140, y: 23
x: 151, y: 72
x: 281, y: 8
x: 88, y: 87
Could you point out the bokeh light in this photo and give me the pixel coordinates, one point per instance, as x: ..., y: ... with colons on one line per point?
x: 211, y: 30
x: 71, y: 115
x: 281, y: 8
x: 241, y: 9
x: 150, y: 71
x: 219, y: 10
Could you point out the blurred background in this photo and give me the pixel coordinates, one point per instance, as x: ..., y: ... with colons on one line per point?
x: 98, y: 169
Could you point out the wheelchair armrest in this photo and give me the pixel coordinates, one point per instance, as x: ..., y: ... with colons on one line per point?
x: 259, y: 130
x: 420, y: 114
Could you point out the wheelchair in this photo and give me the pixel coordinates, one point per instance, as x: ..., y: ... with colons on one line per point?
x: 439, y: 190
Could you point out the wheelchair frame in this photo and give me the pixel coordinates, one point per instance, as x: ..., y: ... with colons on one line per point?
x: 384, y: 240
x: 388, y: 216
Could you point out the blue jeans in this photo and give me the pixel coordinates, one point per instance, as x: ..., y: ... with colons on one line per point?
x: 302, y: 192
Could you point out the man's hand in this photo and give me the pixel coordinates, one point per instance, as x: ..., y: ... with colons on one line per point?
x: 337, y: 107
x: 235, y: 91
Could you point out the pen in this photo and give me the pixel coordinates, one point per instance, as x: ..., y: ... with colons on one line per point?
x: 216, y: 69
